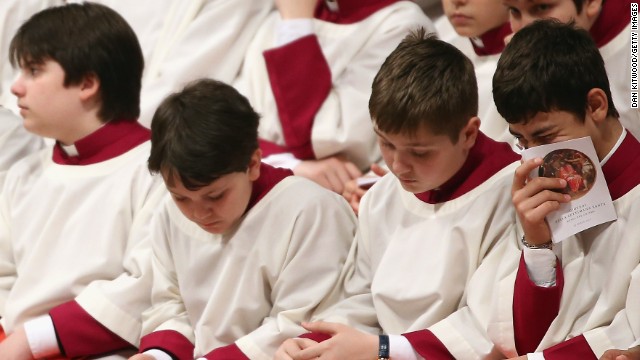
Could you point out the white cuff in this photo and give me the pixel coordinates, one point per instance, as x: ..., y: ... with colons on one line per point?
x: 288, y: 31
x: 41, y: 336
x: 541, y: 266
x: 400, y: 349
x: 535, y: 356
x: 284, y: 160
x: 158, y: 354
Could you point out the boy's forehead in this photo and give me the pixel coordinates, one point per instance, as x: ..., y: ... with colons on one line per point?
x: 423, y: 136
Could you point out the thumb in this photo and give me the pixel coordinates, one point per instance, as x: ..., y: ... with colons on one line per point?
x: 378, y: 170
x: 322, y: 327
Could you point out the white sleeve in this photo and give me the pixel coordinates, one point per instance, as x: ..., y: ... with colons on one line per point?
x: 541, y: 266
x: 41, y: 336
x: 117, y: 303
x: 167, y: 311
x: 400, y: 349
x: 158, y: 354
x: 312, y: 245
x: 211, y: 43
x: 291, y: 30
x: 535, y: 356
x: 283, y: 160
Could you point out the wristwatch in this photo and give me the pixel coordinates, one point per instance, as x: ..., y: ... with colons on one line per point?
x: 383, y: 348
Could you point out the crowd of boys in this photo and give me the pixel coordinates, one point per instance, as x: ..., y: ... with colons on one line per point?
x: 183, y: 180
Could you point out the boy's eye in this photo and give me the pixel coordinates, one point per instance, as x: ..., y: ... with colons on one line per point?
x: 178, y: 198
x: 216, y: 197
x: 419, y: 153
x: 513, y: 11
x: 541, y: 8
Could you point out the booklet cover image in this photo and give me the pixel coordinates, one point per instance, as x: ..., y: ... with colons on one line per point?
x: 576, y: 162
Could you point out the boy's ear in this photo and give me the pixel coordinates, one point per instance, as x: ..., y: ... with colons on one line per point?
x: 254, y: 165
x: 592, y: 9
x: 89, y: 87
x: 597, y: 105
x: 469, y: 132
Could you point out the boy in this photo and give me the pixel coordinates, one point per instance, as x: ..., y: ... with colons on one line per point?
x: 485, y: 23
x: 609, y: 23
x: 578, y: 298
x: 243, y: 252
x: 308, y: 71
x: 440, y: 216
x: 73, y: 217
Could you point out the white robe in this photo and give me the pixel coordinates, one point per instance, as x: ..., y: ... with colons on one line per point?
x: 197, y: 38
x: 255, y: 285
x: 354, y: 54
x: 78, y: 233
x: 413, y: 261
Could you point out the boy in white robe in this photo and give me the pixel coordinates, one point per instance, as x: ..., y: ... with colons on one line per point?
x: 74, y: 216
x: 609, y: 23
x: 425, y: 229
x: 242, y: 251
x: 580, y: 297
x: 308, y: 72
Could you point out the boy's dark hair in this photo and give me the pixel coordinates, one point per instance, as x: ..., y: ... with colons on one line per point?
x: 549, y: 66
x: 203, y: 132
x: 424, y: 83
x: 86, y: 39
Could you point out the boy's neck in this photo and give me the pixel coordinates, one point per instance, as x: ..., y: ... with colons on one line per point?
x: 84, y: 127
x: 608, y: 135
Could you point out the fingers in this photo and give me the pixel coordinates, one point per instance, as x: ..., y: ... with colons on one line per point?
x: 352, y: 170
x: 522, y: 173
x: 292, y: 347
x: 323, y: 327
x: 378, y: 170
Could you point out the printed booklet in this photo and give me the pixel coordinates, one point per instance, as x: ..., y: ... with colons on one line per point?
x: 576, y: 162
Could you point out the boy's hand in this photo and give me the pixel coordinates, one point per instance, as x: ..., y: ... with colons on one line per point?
x: 296, y: 9
x: 345, y: 343
x: 16, y: 346
x: 631, y: 354
x: 534, y: 199
x: 292, y: 347
x: 353, y: 192
x: 332, y: 172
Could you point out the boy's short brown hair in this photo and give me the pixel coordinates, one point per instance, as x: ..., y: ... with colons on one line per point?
x: 424, y: 83
x: 85, y: 39
x: 549, y: 66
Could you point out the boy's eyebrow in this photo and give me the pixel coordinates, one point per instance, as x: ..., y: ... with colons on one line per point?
x: 415, y: 144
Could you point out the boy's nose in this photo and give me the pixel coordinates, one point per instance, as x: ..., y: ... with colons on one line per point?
x: 17, y: 88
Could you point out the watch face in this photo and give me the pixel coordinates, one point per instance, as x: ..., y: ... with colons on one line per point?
x: 573, y: 166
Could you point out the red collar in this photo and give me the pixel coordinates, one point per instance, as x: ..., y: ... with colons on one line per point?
x: 112, y: 139
x: 492, y: 40
x: 350, y: 11
x: 614, y: 17
x: 485, y: 159
x: 622, y: 170
x: 269, y: 177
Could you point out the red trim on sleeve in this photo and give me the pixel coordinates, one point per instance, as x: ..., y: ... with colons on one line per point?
x: 534, y: 308
x: 169, y: 341
x: 300, y: 80
x: 614, y: 17
x: 576, y: 348
x: 426, y: 344
x: 350, y: 11
x: 316, y: 336
x: 81, y: 335
x: 229, y: 352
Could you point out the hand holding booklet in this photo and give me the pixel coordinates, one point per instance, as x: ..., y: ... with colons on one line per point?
x: 576, y: 162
